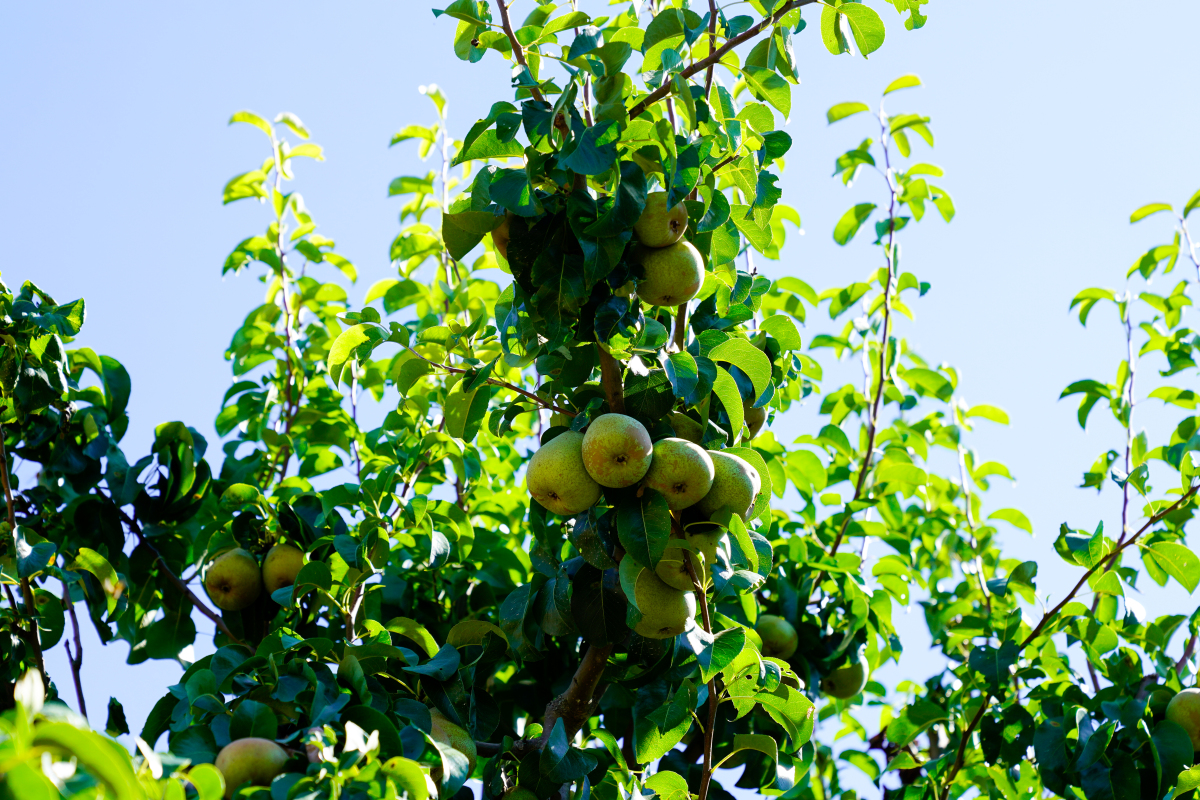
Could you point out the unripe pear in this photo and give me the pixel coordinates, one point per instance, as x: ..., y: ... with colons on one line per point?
x: 447, y: 733
x: 500, y: 238
x: 281, y: 566
x: 848, y: 681
x: 687, y: 428
x: 557, y: 479
x: 672, y: 275
x: 616, y: 450
x: 666, y: 611
x: 779, y: 638
x: 659, y: 226
x: 1184, y: 709
x: 672, y: 569
x: 233, y: 580
x: 682, y: 471
x: 755, y: 419
x: 735, y: 486
x: 1159, y: 700
x: 251, y: 760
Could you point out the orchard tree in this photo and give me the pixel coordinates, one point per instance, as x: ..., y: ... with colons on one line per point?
x: 572, y: 558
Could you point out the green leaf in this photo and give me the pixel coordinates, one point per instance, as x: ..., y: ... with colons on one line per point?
x: 354, y: 343
x: 726, y: 390
x: 1147, y: 210
x: 851, y: 221
x: 988, y: 412
x: 1178, y: 561
x: 756, y: 741
x: 865, y: 25
x: 915, y: 719
x: 571, y: 20
x: 250, y: 118
x: 465, y: 410
x: 238, y: 495
x: 1013, y: 517
x: 843, y: 110
x: 488, y: 145
x: 644, y: 526
x: 668, y: 785
x: 748, y: 358
x: 715, y: 653
x: 783, y: 329
x: 903, y: 82
x: 91, y: 561
x: 1191, y: 204
x: 110, y: 765
x: 768, y: 86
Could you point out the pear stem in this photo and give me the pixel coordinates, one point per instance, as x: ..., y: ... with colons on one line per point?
x: 610, y: 379
x: 681, y: 327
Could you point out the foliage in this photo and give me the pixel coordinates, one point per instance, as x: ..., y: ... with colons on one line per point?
x: 435, y: 592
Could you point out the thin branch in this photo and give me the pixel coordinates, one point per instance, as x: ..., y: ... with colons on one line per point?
x: 76, y: 658
x: 494, y: 382
x: 712, y: 58
x: 31, y: 638
x: 518, y: 51
x: 962, y: 745
x: 681, y: 327
x: 1187, y: 653
x: 610, y: 379
x: 710, y: 725
x: 712, y: 45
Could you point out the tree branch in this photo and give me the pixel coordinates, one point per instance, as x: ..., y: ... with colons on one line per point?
x: 712, y: 45
x: 610, y: 379
x: 518, y: 51
x: 711, y: 59
x: 31, y: 638
x: 710, y: 725
x: 76, y: 658
x: 495, y: 382
x: 962, y: 745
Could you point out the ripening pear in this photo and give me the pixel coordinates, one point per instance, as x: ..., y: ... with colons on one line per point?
x: 1158, y: 701
x: 280, y: 567
x: 233, y: 580
x: 659, y: 226
x: 557, y: 479
x: 665, y: 609
x: 779, y: 637
x: 1184, y: 709
x: 447, y: 733
x: 682, y: 471
x: 616, y: 450
x: 501, y: 237
x: 672, y: 569
x: 251, y: 760
x: 755, y: 419
x: 672, y: 275
x: 848, y: 681
x: 687, y: 428
x: 735, y: 486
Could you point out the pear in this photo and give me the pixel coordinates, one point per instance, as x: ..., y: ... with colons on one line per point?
x: 557, y: 479
x: 687, y: 428
x: 666, y: 611
x: 672, y: 275
x: 251, y: 760
x: 682, y: 471
x: 659, y: 226
x: 233, y: 580
x: 501, y: 237
x: 281, y: 565
x: 1158, y: 701
x: 735, y: 486
x: 755, y: 419
x: 1184, y: 709
x: 672, y: 569
x: 616, y: 450
x: 779, y: 638
x: 848, y: 681
x: 447, y: 733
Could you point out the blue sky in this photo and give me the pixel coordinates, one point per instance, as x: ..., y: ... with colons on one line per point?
x: 1052, y: 123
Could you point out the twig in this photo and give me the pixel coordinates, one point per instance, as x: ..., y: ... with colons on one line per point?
x: 681, y: 327
x: 1187, y: 653
x: 518, y: 51
x: 610, y: 379
x: 76, y: 658
x: 494, y: 382
x: 712, y: 45
x: 962, y: 745
x: 32, y: 638
x: 710, y: 725
x: 711, y: 59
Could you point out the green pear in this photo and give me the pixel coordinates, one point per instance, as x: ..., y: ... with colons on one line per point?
x: 557, y: 479
x: 848, y: 681
x: 1184, y: 709
x: 706, y: 539
x: 672, y: 569
x: 616, y: 450
x: 672, y: 275
x: 447, y: 733
x: 1158, y: 701
x: 665, y: 609
x: 755, y: 419
x: 735, y: 486
x: 251, y: 760
x: 501, y: 237
x: 233, y: 580
x: 281, y: 565
x: 687, y: 428
x: 682, y: 471
x: 779, y: 638
x: 659, y: 226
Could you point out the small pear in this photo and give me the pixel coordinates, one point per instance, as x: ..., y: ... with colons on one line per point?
x: 779, y: 638
x: 672, y: 275
x: 616, y: 450
x: 735, y: 486
x: 1184, y: 709
x: 848, y: 681
x: 447, y: 733
x: 250, y: 760
x: 280, y: 567
x: 1158, y: 701
x: 557, y: 479
x: 659, y: 226
x: 755, y: 419
x: 666, y: 611
x: 682, y: 471
x: 501, y: 237
x: 672, y: 568
x: 687, y: 428
x: 233, y: 580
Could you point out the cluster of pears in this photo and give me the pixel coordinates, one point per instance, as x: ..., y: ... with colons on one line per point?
x: 234, y: 580
x: 672, y: 268
x: 568, y: 474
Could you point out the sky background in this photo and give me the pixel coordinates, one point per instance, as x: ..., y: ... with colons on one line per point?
x: 1052, y: 126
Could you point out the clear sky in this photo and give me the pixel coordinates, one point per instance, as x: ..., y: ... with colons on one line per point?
x: 1053, y: 123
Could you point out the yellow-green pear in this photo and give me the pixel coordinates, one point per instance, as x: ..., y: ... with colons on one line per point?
x: 672, y: 568
x: 755, y: 419
x: 500, y: 238
x: 687, y: 428
x: 706, y: 539
x: 616, y: 450
x: 672, y: 275
x: 233, y: 580
x: 447, y: 733
x: 779, y: 638
x: 846, y: 682
x: 251, y: 760
x: 281, y: 565
x: 735, y: 486
x: 659, y: 226
x: 557, y: 479
x: 682, y: 471
x: 1184, y: 709
x: 665, y: 609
